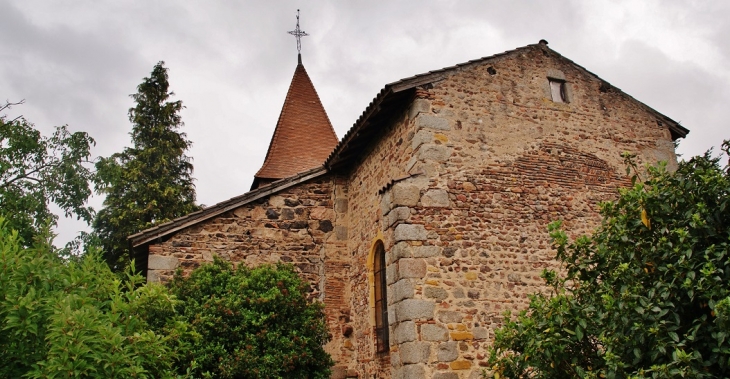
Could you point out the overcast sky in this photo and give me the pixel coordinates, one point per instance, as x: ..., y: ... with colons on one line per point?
x: 76, y: 62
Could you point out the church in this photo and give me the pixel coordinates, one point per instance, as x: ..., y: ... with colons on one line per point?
x: 428, y: 219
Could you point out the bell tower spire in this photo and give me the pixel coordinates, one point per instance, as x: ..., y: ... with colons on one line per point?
x: 298, y: 33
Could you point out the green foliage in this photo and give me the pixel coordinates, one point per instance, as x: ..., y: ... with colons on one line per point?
x: 151, y: 182
x: 254, y: 323
x: 76, y: 319
x: 36, y: 170
x: 646, y: 296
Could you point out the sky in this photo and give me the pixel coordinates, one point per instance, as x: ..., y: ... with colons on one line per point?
x: 75, y: 62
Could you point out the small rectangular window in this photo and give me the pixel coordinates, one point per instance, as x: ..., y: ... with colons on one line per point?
x: 557, y: 90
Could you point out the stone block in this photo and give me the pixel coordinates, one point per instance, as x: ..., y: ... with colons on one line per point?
x: 410, y: 232
x: 460, y: 365
x: 402, y: 289
x: 411, y: 268
x: 414, y: 309
x: 445, y: 375
x: 421, y: 137
x: 386, y: 202
x: 321, y: 213
x: 276, y: 201
x: 398, y: 214
x: 405, y: 194
x: 437, y: 293
x: 433, y: 332
x: 481, y: 333
x: 438, y: 153
x: 460, y: 335
x: 447, y: 351
x: 436, y: 198
x: 419, y: 106
x: 428, y: 121
x: 449, y: 317
x: 405, y: 332
x: 402, y: 250
x: 391, y: 274
x: 341, y: 205
x: 341, y: 232
x: 425, y: 251
x: 415, y: 352
x: 162, y: 262
x: 415, y: 371
x: 153, y: 276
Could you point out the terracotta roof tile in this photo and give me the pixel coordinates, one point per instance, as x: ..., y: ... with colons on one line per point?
x: 304, y: 136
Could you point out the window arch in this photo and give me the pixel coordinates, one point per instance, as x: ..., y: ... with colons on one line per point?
x: 382, y: 340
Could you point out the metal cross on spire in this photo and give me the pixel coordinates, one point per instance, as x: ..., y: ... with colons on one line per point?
x: 299, y: 33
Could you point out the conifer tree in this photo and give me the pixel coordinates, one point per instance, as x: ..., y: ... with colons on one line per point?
x: 149, y: 183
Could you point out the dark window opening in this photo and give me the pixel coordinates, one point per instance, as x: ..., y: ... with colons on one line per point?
x: 381, y: 301
x: 557, y: 90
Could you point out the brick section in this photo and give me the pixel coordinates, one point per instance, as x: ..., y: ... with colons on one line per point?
x: 303, y: 137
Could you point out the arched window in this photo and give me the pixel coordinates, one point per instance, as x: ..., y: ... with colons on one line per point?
x: 381, y: 299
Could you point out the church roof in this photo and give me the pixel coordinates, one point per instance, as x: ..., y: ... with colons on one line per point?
x: 392, y: 98
x: 303, y: 137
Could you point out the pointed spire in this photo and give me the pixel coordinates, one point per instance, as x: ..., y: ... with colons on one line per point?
x: 303, y: 138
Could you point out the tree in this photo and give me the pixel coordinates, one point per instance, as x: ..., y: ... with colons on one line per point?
x: 76, y: 319
x: 151, y: 182
x: 647, y: 295
x: 36, y: 171
x: 253, y: 323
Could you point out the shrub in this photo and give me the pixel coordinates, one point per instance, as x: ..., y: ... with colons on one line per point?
x: 253, y: 323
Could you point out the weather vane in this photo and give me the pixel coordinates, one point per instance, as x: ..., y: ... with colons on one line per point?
x: 299, y: 33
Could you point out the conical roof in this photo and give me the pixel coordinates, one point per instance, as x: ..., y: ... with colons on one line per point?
x: 304, y: 136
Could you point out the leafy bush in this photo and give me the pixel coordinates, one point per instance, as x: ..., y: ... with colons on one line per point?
x: 254, y: 323
x: 648, y: 295
x: 77, y: 319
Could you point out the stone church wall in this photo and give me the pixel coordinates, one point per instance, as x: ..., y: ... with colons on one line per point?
x: 496, y: 160
x: 302, y: 225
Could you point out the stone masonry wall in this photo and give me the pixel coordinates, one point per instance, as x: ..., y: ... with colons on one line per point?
x: 303, y: 225
x: 494, y: 160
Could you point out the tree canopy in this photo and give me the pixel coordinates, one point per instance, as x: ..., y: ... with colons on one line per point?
x: 36, y: 171
x: 646, y: 296
x: 148, y: 183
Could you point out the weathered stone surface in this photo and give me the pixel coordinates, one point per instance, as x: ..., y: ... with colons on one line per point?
x: 414, y: 371
x: 421, y: 137
x: 415, y: 352
x: 447, y: 351
x: 481, y: 333
x: 419, y: 106
x: 449, y: 317
x: 341, y: 232
x: 338, y: 372
x: 402, y: 250
x: 398, y: 214
x: 438, y: 153
x: 410, y: 232
x: 411, y: 268
x: 405, y: 332
x: 445, y: 375
x: 432, y: 122
x: 405, y: 194
x: 432, y: 332
x: 402, y: 289
x: 160, y: 262
x: 414, y: 309
x: 341, y: 205
x: 436, y: 198
x: 460, y: 365
x: 425, y: 251
x: 435, y: 293
x: 459, y: 335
